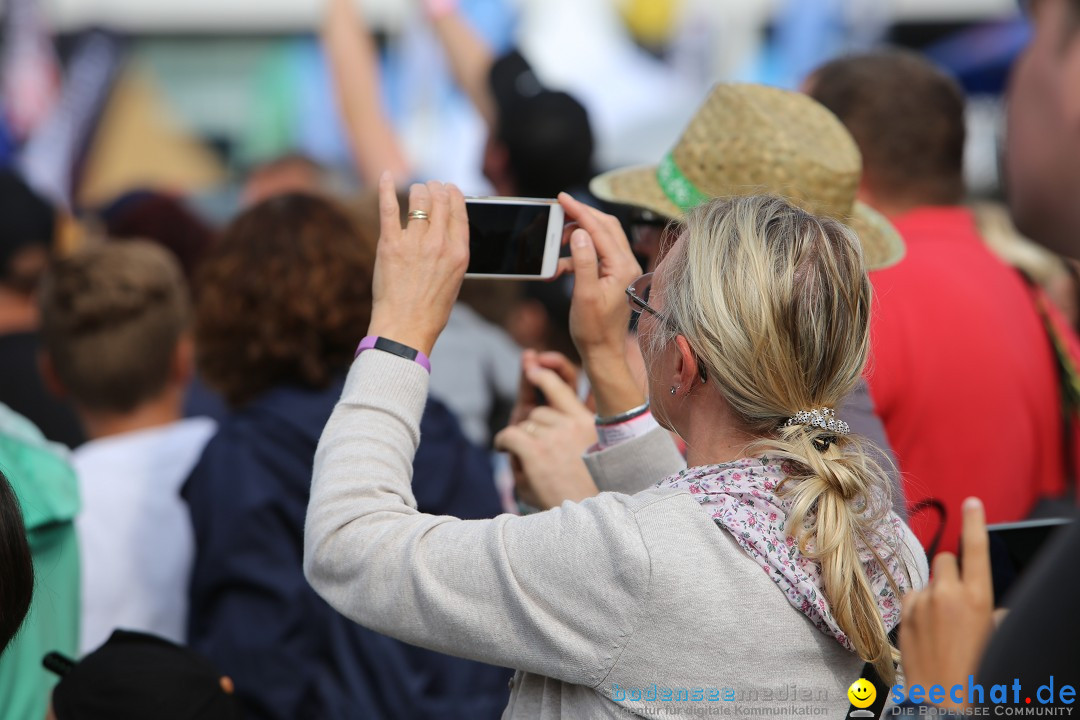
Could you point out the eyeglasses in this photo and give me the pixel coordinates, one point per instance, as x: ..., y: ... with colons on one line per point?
x: 638, y: 296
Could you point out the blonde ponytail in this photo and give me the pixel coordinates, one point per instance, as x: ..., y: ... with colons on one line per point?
x: 835, y: 504
x: 775, y: 302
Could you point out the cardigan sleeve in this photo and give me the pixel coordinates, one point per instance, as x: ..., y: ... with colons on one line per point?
x: 556, y: 593
x: 635, y: 464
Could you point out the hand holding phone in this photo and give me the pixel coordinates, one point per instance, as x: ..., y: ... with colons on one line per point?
x: 603, y: 265
x: 418, y: 268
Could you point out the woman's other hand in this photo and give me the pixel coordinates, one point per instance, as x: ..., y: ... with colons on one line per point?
x: 418, y: 268
x: 604, y: 266
x: 547, y: 444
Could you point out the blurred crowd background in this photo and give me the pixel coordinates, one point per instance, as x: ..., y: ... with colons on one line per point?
x: 186, y: 96
x: 170, y: 120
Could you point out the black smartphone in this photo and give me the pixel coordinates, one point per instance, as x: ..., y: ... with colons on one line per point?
x: 1013, y: 547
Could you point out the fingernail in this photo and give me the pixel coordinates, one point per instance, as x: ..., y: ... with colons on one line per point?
x: 972, y: 503
x: 580, y: 238
x: 385, y: 177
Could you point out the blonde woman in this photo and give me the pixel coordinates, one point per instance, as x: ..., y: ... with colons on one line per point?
x: 772, y: 562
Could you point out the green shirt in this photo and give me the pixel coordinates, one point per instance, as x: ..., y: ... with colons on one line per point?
x: 49, y: 495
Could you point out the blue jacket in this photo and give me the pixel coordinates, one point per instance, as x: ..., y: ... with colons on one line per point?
x: 252, y: 612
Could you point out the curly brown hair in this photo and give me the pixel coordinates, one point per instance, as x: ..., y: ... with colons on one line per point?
x: 283, y: 298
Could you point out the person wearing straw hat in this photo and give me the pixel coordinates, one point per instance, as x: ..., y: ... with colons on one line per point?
x: 961, y: 354
x: 749, y: 139
x: 744, y: 140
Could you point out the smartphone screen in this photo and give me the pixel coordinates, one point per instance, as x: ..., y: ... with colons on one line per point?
x: 1013, y: 547
x: 507, y: 239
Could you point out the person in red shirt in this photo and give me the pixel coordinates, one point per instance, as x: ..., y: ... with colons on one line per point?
x: 1040, y: 635
x: 962, y: 371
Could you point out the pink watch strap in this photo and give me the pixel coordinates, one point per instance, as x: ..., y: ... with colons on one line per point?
x: 374, y: 342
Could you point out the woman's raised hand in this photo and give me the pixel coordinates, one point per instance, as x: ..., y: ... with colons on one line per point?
x: 604, y: 266
x: 418, y: 268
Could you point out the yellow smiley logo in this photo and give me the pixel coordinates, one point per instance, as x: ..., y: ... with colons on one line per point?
x: 862, y: 693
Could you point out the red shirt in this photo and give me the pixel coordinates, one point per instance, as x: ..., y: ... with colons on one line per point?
x: 963, y: 375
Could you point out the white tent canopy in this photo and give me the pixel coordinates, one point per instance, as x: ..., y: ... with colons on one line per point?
x: 231, y: 16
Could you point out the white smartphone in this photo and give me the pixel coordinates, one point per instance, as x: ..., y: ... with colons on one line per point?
x: 513, y: 238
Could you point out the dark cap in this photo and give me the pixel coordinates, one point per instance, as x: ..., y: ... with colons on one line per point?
x: 135, y: 676
x: 546, y: 133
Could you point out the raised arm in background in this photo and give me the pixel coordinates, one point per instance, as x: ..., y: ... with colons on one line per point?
x: 470, y: 57
x: 350, y: 50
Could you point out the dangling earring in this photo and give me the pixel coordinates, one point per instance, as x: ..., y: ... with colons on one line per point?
x: 674, y: 389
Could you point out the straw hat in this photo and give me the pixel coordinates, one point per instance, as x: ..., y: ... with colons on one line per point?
x: 752, y: 139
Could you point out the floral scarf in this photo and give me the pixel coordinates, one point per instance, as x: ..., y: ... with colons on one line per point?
x: 741, y: 497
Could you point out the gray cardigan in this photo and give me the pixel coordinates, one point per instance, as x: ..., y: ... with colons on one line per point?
x: 601, y: 606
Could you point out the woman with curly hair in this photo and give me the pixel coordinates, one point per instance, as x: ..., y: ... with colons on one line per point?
x: 279, y: 304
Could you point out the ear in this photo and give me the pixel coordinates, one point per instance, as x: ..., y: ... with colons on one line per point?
x: 183, y: 361
x: 686, y: 365
x: 49, y: 377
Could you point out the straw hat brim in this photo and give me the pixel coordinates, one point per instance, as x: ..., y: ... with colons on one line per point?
x: 638, y: 186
